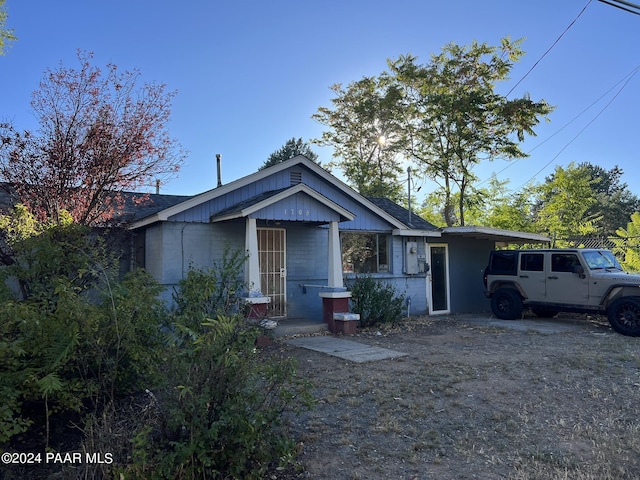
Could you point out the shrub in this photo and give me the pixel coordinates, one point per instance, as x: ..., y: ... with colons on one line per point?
x: 78, y: 337
x: 375, y: 301
x: 221, y: 413
x: 207, y: 293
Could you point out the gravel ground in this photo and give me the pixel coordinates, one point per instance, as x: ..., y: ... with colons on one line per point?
x: 473, y: 399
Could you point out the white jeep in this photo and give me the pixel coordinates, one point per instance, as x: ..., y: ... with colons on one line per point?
x: 568, y: 280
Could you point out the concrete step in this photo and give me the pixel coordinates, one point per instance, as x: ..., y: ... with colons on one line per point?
x: 298, y: 326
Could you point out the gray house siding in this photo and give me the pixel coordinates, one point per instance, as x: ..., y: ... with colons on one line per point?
x: 467, y: 261
x: 172, y: 248
x: 413, y: 287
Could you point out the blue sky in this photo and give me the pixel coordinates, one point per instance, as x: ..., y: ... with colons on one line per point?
x: 250, y: 74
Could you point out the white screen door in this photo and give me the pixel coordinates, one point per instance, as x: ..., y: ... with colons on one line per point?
x: 273, y: 269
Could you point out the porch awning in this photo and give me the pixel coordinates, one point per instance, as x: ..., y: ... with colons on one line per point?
x: 296, y: 203
x: 496, y: 234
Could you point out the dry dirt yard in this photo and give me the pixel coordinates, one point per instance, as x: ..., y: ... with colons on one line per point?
x: 474, y: 401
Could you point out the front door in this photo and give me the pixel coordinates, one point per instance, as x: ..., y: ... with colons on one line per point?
x: 273, y: 270
x: 438, y: 278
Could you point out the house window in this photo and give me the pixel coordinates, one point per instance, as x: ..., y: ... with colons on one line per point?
x: 365, y: 252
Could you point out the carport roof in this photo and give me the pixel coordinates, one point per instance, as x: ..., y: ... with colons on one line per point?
x: 496, y: 234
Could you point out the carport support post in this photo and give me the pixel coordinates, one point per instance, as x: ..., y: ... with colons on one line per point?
x: 336, y: 298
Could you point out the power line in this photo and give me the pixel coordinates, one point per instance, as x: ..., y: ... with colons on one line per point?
x: 627, y: 77
x: 582, y: 130
x: 550, y: 48
x: 621, y: 4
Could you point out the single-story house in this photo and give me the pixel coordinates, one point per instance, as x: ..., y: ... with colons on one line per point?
x: 307, y: 235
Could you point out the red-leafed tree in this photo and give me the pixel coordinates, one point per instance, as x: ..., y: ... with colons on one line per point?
x: 100, y: 135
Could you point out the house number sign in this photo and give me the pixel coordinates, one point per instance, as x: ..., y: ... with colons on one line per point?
x: 300, y: 212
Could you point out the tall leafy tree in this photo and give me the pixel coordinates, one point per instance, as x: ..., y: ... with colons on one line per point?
x: 565, y: 202
x: 365, y: 132
x: 455, y: 118
x: 614, y: 201
x: 290, y: 149
x: 491, y: 206
x: 445, y: 117
x: 100, y: 135
x: 6, y: 35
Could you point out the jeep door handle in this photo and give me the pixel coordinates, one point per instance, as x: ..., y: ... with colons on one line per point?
x: 524, y: 276
x: 552, y: 278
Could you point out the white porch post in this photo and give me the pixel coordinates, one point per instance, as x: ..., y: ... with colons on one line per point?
x: 335, y: 257
x: 252, y: 266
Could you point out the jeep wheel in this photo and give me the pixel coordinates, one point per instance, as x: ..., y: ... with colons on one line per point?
x: 545, y: 312
x: 506, y: 304
x: 624, y: 316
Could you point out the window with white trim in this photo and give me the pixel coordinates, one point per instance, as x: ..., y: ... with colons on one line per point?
x: 364, y: 252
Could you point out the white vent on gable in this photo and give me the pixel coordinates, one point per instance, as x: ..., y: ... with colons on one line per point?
x: 295, y: 177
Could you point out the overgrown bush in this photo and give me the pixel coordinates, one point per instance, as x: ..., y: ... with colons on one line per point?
x: 221, y: 413
x: 78, y: 354
x: 207, y: 293
x: 172, y: 394
x: 222, y: 407
x: 75, y: 337
x: 375, y: 301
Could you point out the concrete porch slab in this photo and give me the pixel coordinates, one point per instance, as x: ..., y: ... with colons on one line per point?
x: 345, y: 349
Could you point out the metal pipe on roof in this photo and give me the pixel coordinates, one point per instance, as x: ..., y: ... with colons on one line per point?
x: 218, y: 162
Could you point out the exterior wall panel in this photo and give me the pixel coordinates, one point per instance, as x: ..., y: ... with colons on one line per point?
x: 467, y: 260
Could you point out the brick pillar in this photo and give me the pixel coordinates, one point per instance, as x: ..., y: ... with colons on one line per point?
x: 334, y: 302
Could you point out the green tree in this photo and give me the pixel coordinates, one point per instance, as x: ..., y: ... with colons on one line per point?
x: 564, y: 203
x: 614, y: 202
x: 6, y: 35
x: 513, y: 211
x: 455, y: 119
x: 290, y: 149
x: 364, y: 130
x: 628, y: 244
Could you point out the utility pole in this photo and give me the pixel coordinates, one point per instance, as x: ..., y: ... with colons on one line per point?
x: 409, y: 191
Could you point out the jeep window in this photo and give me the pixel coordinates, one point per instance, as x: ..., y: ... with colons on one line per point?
x: 503, y: 263
x: 532, y: 262
x: 564, y: 262
x: 601, y: 259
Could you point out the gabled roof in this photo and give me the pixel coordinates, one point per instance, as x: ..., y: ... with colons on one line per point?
x: 163, y: 215
x: 265, y: 199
